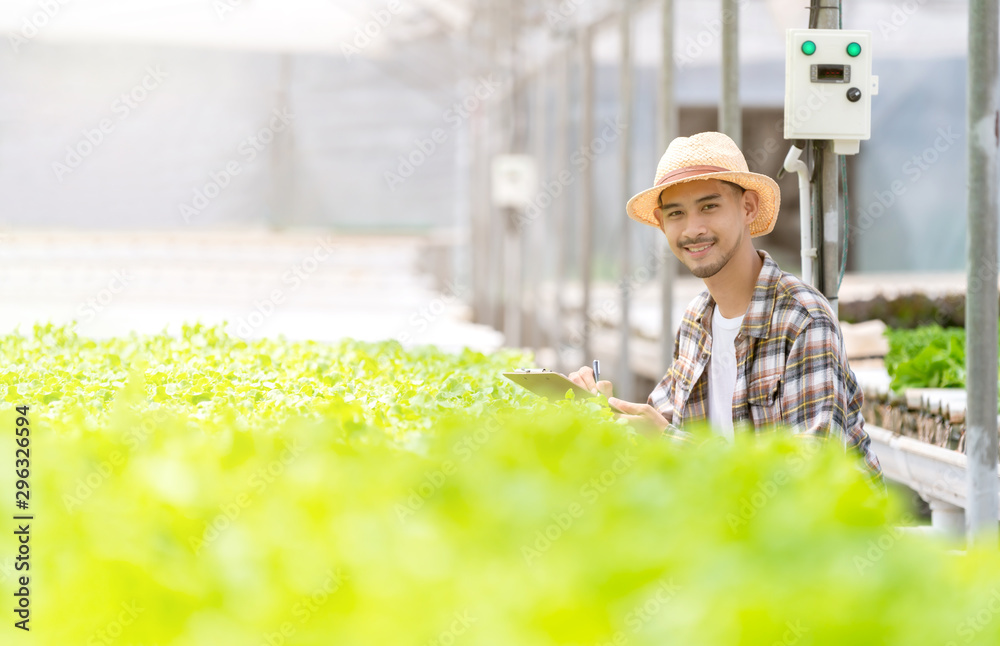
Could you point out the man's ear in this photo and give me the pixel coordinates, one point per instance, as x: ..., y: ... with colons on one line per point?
x: 751, y: 203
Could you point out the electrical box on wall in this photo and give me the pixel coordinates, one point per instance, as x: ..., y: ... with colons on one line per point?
x: 515, y: 180
x: 829, y: 86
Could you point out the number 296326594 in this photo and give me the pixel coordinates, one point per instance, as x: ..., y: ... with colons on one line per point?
x: 22, y: 459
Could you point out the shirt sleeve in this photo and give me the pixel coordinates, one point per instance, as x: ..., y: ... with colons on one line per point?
x: 662, y: 399
x: 821, y: 398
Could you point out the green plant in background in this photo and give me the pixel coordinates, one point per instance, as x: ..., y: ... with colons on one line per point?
x: 926, y: 357
x: 203, y: 490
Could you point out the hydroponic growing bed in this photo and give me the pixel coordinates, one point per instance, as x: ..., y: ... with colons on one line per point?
x: 204, y: 490
x: 926, y: 397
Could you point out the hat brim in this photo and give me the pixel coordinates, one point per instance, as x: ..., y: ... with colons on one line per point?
x: 640, y: 207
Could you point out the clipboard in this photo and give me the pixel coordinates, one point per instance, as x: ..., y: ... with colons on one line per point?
x: 551, y: 385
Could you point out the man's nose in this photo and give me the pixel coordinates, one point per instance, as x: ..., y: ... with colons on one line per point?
x: 694, y: 227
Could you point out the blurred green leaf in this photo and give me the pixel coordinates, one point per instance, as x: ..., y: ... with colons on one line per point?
x: 359, y: 493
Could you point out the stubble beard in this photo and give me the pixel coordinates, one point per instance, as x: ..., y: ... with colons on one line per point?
x: 708, y: 271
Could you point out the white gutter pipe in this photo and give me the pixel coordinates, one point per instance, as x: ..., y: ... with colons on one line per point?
x: 795, y: 165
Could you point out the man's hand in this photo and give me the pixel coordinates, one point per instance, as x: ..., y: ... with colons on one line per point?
x: 646, y: 419
x: 584, y: 377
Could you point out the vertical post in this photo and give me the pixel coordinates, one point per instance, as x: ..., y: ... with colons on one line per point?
x: 830, y: 195
x: 561, y: 203
x: 587, y: 190
x: 475, y: 202
x: 480, y: 211
x: 828, y: 18
x: 493, y: 227
x: 624, y: 378
x: 816, y: 217
x: 512, y: 310
x: 513, y: 142
x: 668, y: 118
x: 495, y: 249
x: 730, y: 120
x: 538, y: 265
x: 282, y: 212
x: 513, y: 307
x: 981, y: 302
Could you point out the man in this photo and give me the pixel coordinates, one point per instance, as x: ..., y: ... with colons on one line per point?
x: 759, y: 347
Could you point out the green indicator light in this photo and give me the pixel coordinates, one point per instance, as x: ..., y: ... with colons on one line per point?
x: 809, y: 48
x: 853, y: 49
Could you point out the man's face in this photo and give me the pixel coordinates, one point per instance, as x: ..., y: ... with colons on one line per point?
x: 705, y: 222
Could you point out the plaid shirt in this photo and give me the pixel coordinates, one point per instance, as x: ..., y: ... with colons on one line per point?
x: 791, y: 366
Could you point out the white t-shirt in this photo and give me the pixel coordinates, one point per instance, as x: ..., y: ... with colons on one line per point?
x: 722, y: 373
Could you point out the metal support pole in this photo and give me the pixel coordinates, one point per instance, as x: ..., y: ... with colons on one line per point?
x: 587, y: 189
x: 283, y: 205
x: 816, y: 216
x: 829, y: 193
x: 514, y: 236
x: 624, y: 379
x: 730, y: 121
x: 538, y: 267
x: 668, y: 117
x: 480, y: 213
x: 497, y: 122
x: 561, y: 203
x: 512, y: 279
x: 981, y: 302
x: 832, y: 223
x: 495, y: 226
x: 516, y: 143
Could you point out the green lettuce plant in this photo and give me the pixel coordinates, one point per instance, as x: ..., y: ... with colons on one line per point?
x: 205, y: 490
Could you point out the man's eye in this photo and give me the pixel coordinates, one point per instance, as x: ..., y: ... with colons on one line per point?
x: 710, y: 206
x: 674, y: 214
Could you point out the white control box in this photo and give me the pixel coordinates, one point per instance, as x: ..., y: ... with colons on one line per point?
x: 829, y: 86
x: 515, y: 180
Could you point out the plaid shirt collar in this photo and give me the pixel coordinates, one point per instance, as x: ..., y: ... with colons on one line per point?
x: 757, y: 319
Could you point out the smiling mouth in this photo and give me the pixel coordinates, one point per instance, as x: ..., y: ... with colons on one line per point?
x: 699, y: 249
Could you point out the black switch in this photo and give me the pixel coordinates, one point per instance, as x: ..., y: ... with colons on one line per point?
x: 854, y: 95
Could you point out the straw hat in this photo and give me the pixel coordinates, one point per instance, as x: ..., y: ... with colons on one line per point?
x: 707, y: 155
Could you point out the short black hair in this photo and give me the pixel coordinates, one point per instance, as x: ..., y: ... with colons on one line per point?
x: 738, y: 190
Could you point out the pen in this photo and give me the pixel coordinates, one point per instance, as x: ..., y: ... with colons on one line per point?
x: 597, y: 370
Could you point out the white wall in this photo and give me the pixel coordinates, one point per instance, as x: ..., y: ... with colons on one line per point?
x: 197, y: 115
